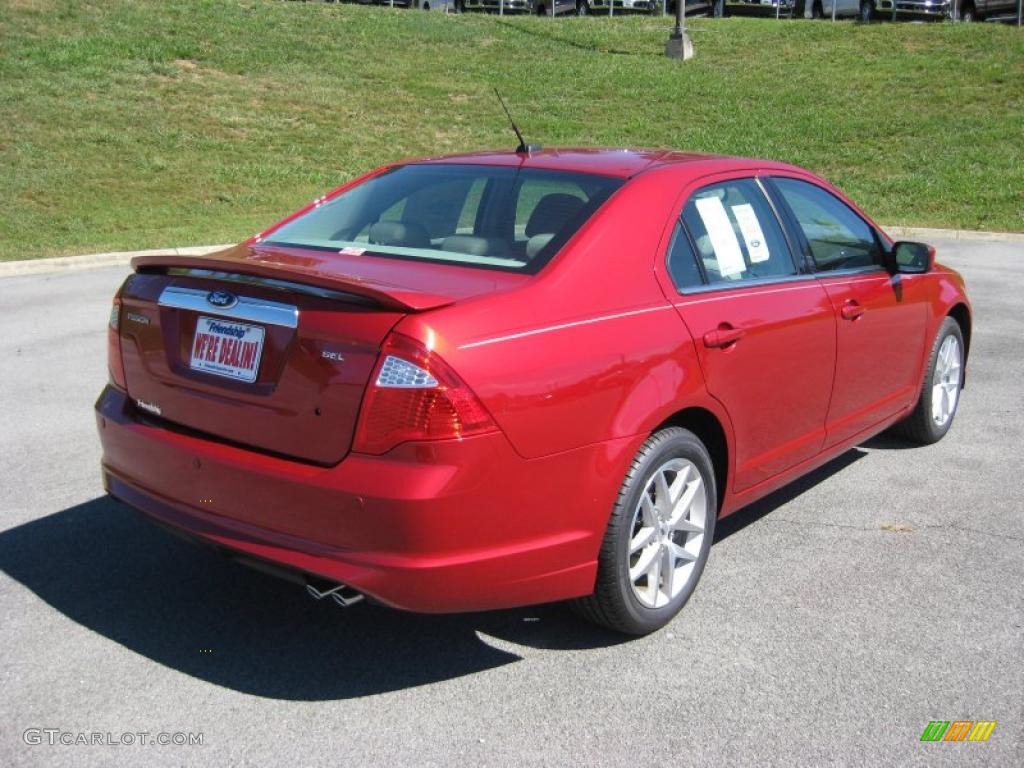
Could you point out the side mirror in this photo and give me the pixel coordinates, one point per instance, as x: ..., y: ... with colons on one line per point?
x: 910, y: 258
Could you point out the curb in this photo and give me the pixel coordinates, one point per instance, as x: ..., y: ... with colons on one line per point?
x: 927, y: 233
x: 122, y: 258
x: 95, y: 260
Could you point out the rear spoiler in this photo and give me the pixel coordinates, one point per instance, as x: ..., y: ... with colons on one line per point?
x: 285, y: 270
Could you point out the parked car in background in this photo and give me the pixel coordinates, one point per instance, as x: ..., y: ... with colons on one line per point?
x: 818, y: 9
x: 585, y: 7
x: 508, y: 378
x: 810, y: 9
x: 535, y: 7
x: 965, y: 10
x: 783, y: 8
x: 698, y: 7
x: 905, y: 9
x: 693, y: 7
x: 425, y: 5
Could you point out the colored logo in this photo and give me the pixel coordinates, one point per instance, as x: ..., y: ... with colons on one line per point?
x: 958, y: 730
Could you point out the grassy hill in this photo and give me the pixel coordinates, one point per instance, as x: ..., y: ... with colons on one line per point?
x: 145, y: 123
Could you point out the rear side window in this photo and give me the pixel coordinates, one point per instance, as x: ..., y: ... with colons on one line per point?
x: 682, y: 264
x: 837, y: 236
x: 727, y: 234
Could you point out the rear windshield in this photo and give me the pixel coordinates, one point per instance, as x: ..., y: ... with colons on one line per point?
x: 485, y: 216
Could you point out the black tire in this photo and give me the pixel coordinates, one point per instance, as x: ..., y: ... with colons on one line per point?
x: 867, y: 11
x: 967, y: 13
x: 582, y: 8
x: 717, y: 9
x: 816, y: 11
x: 919, y: 426
x: 614, y: 603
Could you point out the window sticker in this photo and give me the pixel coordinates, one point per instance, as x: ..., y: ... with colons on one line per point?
x: 751, y: 229
x: 723, y: 237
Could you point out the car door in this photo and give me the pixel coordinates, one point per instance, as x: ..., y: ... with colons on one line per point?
x: 764, y: 329
x: 881, y: 318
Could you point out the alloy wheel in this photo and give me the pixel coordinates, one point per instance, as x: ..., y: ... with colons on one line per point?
x: 667, y: 533
x: 946, y: 381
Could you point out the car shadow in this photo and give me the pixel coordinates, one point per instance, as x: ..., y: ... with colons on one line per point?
x: 737, y: 521
x: 890, y: 442
x: 189, y: 608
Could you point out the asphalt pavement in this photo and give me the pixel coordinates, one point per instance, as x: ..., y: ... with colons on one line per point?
x: 834, y: 621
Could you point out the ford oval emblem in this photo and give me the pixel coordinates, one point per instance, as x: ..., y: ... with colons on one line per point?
x: 221, y: 299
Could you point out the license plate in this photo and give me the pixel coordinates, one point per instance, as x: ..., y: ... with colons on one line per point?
x: 226, y: 348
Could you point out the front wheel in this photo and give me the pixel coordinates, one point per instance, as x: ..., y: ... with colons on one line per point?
x: 940, y: 391
x: 867, y: 11
x: 658, y: 537
x: 717, y: 9
x: 582, y: 8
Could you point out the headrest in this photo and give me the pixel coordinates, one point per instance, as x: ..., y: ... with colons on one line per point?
x: 407, y: 233
x: 552, y: 213
x: 475, y: 246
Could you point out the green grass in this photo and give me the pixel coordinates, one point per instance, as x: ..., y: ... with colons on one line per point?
x: 148, y: 123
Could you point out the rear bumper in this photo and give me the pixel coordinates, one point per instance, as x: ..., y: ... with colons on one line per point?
x: 432, y: 527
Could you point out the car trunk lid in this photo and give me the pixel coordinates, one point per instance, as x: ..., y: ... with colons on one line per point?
x: 270, y: 349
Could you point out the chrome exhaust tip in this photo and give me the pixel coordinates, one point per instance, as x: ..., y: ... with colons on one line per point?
x: 351, y: 598
x: 341, y: 594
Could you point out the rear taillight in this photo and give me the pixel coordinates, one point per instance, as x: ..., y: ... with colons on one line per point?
x: 414, y: 395
x: 114, y: 364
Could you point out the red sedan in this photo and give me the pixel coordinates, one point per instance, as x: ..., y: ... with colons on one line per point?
x: 509, y: 378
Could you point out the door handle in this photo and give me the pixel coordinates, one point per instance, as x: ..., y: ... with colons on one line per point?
x: 851, y: 310
x: 723, y: 336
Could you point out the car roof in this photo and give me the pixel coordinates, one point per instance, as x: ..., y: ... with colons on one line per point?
x: 606, y: 161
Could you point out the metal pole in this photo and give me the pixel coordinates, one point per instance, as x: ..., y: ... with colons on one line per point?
x: 1020, y: 11
x: 611, y: 8
x: 893, y: 10
x: 953, y: 12
x: 501, y: 7
x: 678, y: 45
x: 834, y: 4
